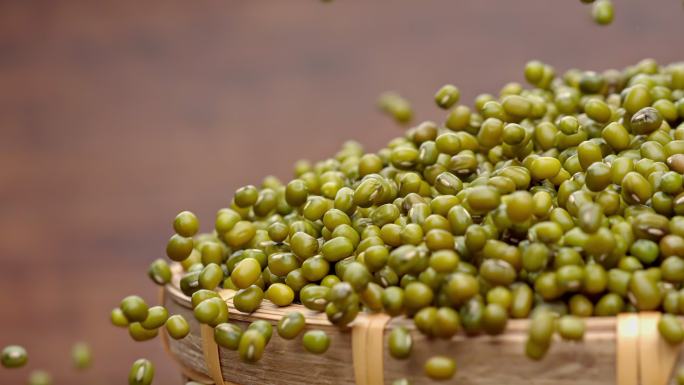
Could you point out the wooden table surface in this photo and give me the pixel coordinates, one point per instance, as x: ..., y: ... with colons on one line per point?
x: 114, y: 115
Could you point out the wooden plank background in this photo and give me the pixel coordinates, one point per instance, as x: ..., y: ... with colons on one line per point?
x: 114, y: 115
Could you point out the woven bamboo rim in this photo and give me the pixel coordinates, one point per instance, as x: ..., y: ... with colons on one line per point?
x: 643, y: 357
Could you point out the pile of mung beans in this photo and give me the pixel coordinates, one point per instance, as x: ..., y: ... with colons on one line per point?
x: 556, y: 202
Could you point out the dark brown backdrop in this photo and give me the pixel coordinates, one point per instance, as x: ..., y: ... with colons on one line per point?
x: 114, y: 115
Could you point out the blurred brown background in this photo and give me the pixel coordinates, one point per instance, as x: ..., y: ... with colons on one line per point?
x: 115, y: 115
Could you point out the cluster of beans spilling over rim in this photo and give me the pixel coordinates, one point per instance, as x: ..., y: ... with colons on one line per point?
x: 556, y: 202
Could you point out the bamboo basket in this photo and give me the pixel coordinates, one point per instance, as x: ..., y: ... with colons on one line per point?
x: 623, y: 350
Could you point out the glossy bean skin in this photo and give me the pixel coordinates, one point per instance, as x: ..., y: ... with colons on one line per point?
x: 291, y: 325
x: 246, y: 273
x: 400, y: 343
x: 251, y: 346
x: 177, y: 327
x: 571, y: 328
x: 14, y: 356
x: 159, y: 272
x: 440, y: 368
x: 156, y: 318
x: 142, y: 373
x: 134, y: 308
x: 228, y: 335
x: 670, y: 329
x: 316, y: 341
